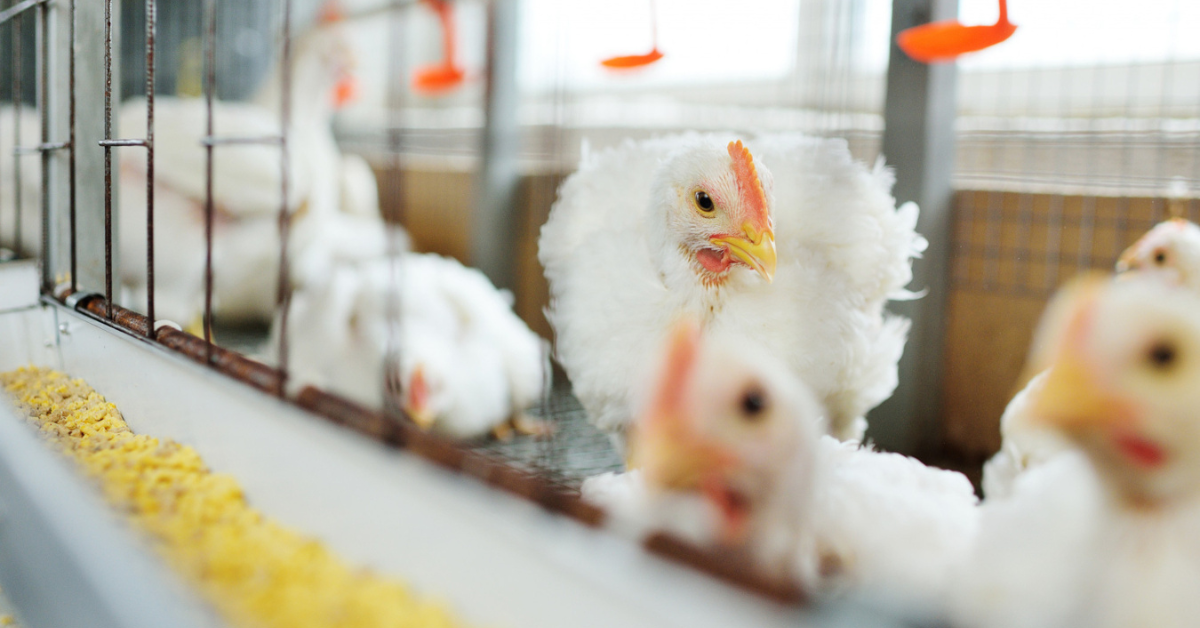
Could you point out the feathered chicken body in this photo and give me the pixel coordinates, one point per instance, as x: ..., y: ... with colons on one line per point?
x: 466, y: 362
x: 801, y: 261
x: 727, y: 452
x: 891, y: 524
x: 1103, y: 535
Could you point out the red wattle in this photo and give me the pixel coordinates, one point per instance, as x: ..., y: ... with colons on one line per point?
x: 714, y: 260
x: 1141, y: 451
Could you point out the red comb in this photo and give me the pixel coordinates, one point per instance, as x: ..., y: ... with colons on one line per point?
x: 331, y: 12
x: 682, y: 349
x: 750, y: 188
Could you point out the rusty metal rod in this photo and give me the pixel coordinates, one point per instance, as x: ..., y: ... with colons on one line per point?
x: 71, y: 157
x: 108, y: 265
x: 284, y: 294
x: 151, y: 32
x: 210, y: 89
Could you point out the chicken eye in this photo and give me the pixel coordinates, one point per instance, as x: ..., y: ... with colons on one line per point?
x: 754, y: 402
x: 704, y: 201
x: 1162, y: 355
x: 1160, y: 257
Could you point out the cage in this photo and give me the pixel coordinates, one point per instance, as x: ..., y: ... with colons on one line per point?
x: 468, y: 123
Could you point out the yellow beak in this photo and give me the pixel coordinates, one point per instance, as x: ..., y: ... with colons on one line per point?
x: 673, y: 457
x: 756, y: 250
x: 421, y: 416
x: 1072, y: 400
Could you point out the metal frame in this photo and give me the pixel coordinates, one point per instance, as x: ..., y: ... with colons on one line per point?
x: 494, y: 235
x: 919, y: 140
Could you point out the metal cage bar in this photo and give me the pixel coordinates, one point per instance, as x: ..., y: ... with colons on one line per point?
x: 108, y: 143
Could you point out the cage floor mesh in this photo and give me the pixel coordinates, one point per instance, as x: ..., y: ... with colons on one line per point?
x: 573, y: 451
x: 570, y: 453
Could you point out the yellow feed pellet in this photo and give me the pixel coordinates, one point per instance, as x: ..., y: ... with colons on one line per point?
x: 256, y: 572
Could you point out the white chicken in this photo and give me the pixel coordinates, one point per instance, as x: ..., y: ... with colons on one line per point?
x: 1103, y: 535
x: 1169, y: 252
x: 467, y: 363
x: 696, y: 226
x: 728, y: 452
x: 327, y: 192
x: 30, y: 184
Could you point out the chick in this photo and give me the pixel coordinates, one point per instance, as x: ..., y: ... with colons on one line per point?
x: 1170, y: 251
x: 1105, y: 535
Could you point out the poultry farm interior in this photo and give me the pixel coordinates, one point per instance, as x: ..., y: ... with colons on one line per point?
x: 474, y: 312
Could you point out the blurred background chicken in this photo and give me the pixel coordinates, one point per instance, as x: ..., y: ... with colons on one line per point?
x: 801, y: 262
x: 327, y: 194
x: 728, y: 451
x: 1108, y: 540
x: 466, y: 363
x: 1169, y: 252
x: 723, y: 452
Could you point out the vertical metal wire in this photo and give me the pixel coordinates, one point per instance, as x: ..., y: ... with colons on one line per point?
x: 1087, y: 218
x: 1025, y: 204
x: 393, y: 383
x: 151, y: 31
x: 71, y: 163
x: 1120, y: 219
x: 108, y: 87
x: 210, y: 89
x: 1054, y: 218
x: 43, y: 103
x: 283, y: 297
x: 16, y: 32
x: 995, y: 204
x: 1164, y: 112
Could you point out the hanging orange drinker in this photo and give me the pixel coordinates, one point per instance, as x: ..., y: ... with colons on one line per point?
x: 445, y: 76
x: 946, y: 40
x: 628, y: 62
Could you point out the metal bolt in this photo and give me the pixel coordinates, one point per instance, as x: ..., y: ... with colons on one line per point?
x: 64, y: 328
